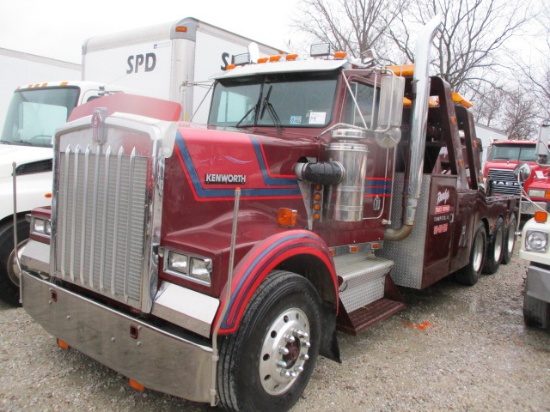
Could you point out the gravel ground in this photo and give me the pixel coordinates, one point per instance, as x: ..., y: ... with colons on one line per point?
x: 474, y: 354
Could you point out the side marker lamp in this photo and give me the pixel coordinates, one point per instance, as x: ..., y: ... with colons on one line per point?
x: 287, y: 217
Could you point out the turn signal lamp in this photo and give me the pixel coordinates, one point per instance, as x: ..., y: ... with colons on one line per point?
x: 287, y: 217
x: 540, y: 216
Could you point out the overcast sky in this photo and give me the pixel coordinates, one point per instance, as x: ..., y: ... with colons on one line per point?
x: 58, y: 28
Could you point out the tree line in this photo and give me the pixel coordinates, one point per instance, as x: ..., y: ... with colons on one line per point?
x: 495, y: 53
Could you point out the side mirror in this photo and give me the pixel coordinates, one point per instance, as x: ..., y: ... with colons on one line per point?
x: 542, y: 143
x: 522, y: 172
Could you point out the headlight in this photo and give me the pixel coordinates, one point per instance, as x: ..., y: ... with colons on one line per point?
x: 540, y: 193
x: 189, y: 267
x: 41, y: 226
x: 536, y: 241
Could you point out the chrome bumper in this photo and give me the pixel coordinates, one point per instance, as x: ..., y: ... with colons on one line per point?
x: 528, y: 208
x: 158, y: 359
x: 537, y: 284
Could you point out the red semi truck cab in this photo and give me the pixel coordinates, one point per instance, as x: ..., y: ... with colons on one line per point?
x: 504, y: 157
x: 216, y: 262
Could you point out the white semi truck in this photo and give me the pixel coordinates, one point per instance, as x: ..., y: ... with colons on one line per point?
x: 535, y: 247
x: 172, y: 61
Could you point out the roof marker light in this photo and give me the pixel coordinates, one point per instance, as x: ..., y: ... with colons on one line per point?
x: 275, y: 58
x: 291, y: 57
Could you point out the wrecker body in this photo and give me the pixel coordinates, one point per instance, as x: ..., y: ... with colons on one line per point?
x: 216, y: 262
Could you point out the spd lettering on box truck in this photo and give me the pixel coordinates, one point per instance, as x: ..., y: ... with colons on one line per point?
x: 148, y: 61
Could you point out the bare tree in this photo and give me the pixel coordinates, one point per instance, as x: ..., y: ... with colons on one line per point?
x: 520, y: 116
x: 488, y: 98
x: 352, y: 26
x: 473, y: 31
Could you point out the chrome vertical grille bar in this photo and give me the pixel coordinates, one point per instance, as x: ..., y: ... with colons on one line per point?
x: 65, y: 202
x: 103, y: 243
x: 129, y: 219
x: 116, y: 220
x: 84, y: 211
x: 73, y: 211
x: 93, y: 217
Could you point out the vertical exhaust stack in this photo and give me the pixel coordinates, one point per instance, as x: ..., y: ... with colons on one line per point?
x: 421, y: 88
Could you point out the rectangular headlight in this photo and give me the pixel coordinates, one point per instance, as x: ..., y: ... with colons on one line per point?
x: 177, y: 263
x: 41, y: 226
x: 188, y: 267
x: 537, y: 193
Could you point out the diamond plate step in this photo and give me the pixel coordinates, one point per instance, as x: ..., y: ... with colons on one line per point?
x: 367, y: 316
x: 362, y: 278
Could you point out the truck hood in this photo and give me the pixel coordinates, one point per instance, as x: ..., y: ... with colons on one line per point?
x: 20, y: 155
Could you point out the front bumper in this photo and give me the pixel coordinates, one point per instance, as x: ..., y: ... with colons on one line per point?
x: 162, y: 360
x: 528, y: 208
x: 537, y: 284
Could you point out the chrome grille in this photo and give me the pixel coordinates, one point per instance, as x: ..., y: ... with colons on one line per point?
x: 504, y: 182
x: 106, y: 211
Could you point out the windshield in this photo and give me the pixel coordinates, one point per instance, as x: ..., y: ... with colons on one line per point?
x: 34, y: 115
x: 281, y: 100
x: 513, y: 152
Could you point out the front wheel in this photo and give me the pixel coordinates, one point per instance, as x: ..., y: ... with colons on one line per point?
x: 469, y: 274
x: 9, y: 272
x: 267, y: 363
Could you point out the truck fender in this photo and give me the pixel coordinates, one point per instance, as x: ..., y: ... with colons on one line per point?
x: 261, y: 260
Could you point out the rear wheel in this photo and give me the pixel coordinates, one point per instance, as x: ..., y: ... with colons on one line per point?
x: 9, y: 272
x: 469, y: 274
x: 267, y: 363
x: 509, y: 240
x: 495, y: 249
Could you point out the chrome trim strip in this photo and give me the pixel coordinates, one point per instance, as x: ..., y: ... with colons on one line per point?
x: 73, y: 213
x: 65, y: 203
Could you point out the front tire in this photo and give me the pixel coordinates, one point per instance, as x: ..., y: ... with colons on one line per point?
x: 267, y: 363
x: 469, y: 274
x: 9, y: 276
x: 495, y: 250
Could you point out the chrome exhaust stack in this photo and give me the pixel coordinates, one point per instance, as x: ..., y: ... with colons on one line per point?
x: 419, y: 121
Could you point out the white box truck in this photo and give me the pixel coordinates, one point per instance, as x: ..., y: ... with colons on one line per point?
x: 172, y: 61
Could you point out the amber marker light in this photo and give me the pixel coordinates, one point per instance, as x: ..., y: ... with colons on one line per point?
x: 354, y: 248
x: 231, y: 66
x: 275, y: 58
x: 287, y: 217
x: 136, y: 385
x: 48, y: 195
x: 263, y: 60
x: 291, y: 57
x: 181, y: 29
x: 541, y: 216
x: 340, y: 55
x: 63, y: 345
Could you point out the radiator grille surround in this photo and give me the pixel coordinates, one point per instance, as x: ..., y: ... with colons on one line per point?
x: 107, y: 204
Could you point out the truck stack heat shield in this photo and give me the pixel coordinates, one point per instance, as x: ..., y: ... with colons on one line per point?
x: 346, y: 198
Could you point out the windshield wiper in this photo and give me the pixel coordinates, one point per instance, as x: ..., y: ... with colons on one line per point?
x: 252, y: 109
x: 271, y: 110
